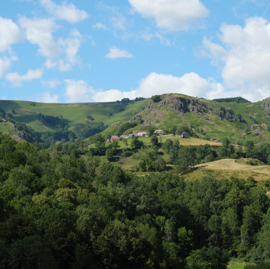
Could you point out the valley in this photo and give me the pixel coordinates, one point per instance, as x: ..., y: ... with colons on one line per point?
x: 179, y: 176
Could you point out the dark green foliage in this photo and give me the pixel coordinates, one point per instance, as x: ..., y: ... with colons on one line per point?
x: 173, y: 130
x: 57, y: 122
x: 156, y: 98
x: 182, y: 129
x: 136, y: 143
x: 2, y: 112
x: 167, y: 145
x: 186, y: 158
x: 150, y: 131
x: 86, y: 130
x: 122, y: 128
x: 31, y: 252
x: 61, y: 210
x: 139, y: 98
x: 154, y: 140
x: 125, y: 100
x: 234, y: 99
x: 83, y: 258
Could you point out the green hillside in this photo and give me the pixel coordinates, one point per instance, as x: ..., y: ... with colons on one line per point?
x: 108, y: 113
x: 234, y: 118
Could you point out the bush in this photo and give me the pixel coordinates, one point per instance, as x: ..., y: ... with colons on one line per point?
x: 156, y: 98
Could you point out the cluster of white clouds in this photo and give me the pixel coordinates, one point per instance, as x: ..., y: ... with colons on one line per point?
x: 172, y: 15
x: 61, y: 53
x: 244, y: 57
x: 17, y: 79
x: 117, y: 53
x: 9, y: 34
x: 190, y: 84
x: 39, y: 32
x: 46, y: 97
x: 78, y: 91
x: 241, y: 53
x: 65, y: 11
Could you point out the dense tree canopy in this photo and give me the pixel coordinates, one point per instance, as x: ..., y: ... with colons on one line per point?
x: 64, y: 211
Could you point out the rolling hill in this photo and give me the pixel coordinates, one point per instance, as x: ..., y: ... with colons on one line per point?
x: 234, y: 118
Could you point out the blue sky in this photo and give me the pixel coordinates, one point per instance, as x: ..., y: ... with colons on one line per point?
x: 100, y: 51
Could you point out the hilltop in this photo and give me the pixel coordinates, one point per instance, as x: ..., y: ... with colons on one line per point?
x: 234, y: 118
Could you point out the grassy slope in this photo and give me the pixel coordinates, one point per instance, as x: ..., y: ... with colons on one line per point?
x: 159, y: 116
x: 130, y: 162
x: 108, y: 113
x: 249, y: 112
x: 9, y: 128
x: 227, y: 168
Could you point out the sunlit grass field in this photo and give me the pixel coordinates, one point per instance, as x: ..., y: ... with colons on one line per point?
x: 108, y: 113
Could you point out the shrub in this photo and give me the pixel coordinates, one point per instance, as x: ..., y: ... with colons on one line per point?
x: 156, y: 98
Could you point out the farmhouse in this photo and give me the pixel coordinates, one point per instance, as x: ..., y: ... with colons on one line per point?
x: 158, y: 132
x: 114, y: 138
x: 142, y: 134
x: 184, y: 135
x: 136, y: 132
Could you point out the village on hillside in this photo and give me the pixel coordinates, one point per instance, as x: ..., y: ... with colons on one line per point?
x: 157, y: 132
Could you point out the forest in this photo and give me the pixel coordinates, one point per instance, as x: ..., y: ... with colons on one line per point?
x: 65, y: 207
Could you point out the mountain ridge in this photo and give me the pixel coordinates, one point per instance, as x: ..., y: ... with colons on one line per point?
x: 235, y: 118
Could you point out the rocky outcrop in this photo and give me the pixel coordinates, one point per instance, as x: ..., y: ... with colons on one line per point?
x: 266, y: 105
x: 228, y: 114
x: 181, y: 105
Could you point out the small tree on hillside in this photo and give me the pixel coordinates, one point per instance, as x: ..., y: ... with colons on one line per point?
x: 173, y: 130
x: 225, y: 143
x: 136, y: 143
x: 154, y: 140
x: 156, y: 98
x: 150, y: 131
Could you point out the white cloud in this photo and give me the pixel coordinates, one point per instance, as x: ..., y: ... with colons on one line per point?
x: 99, y: 26
x: 9, y: 34
x: 117, y: 53
x: 113, y: 95
x: 46, y: 97
x: 78, y: 91
x: 49, y: 64
x: 63, y: 67
x: 189, y: 84
x: 173, y: 15
x: 162, y: 39
x: 17, y: 79
x: 4, y: 65
x: 39, y: 31
x: 245, y: 57
x: 65, y: 11
x: 51, y: 83
x: 71, y: 47
x: 118, y: 22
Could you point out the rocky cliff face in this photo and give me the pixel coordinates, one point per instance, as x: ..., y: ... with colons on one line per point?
x: 177, y: 104
x: 266, y: 105
x: 181, y: 105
